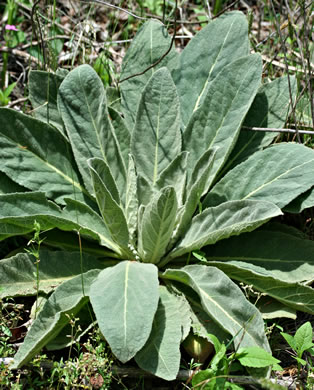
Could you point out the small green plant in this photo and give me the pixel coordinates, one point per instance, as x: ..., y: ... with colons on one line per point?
x: 5, y: 94
x: 301, y: 342
x: 222, y: 366
x: 127, y: 189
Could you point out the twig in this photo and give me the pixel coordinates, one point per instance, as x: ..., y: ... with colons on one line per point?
x: 280, y: 65
x: 115, y: 7
x: 162, y: 57
x: 17, y: 101
x: 273, y: 130
x: 22, y: 54
x: 225, y: 9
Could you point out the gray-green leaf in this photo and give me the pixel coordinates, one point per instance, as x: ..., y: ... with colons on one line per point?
x: 157, y: 224
x: 67, y: 300
x: 125, y: 299
x: 228, y: 219
x: 38, y: 157
x: 217, y: 122
x: 224, y: 302
x: 54, y: 268
x: 269, y: 109
x: 161, y: 353
x: 277, y: 174
x: 156, y: 138
x: 43, y: 92
x: 149, y: 45
x: 285, y: 257
x: 206, y: 55
x: 83, y: 107
x: 108, y: 201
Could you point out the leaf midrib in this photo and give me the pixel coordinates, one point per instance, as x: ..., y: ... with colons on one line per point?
x: 52, y: 167
x: 275, y: 179
x: 211, y: 69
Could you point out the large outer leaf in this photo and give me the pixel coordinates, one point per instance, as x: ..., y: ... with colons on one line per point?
x: 156, y: 138
x: 215, y: 46
x: 82, y: 104
x: 54, y: 268
x: 218, y: 120
x: 228, y: 219
x: 8, y: 186
x: 19, y: 211
x: 38, y: 157
x: 302, y: 202
x: 224, y: 302
x: 43, y: 92
x: 84, y: 323
x: 125, y: 299
x: 150, y: 43
x: 269, y: 109
x: 201, y: 324
x: 271, y: 308
x: 292, y: 294
x: 157, y: 225
x: 275, y: 254
x: 68, y: 299
x: 278, y: 174
x: 161, y: 353
x: 108, y: 201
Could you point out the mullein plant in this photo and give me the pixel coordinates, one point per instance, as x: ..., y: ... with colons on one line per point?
x: 129, y: 186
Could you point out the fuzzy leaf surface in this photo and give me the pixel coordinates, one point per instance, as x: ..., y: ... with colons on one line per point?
x: 175, y: 175
x: 277, y: 254
x: 68, y: 299
x: 108, y: 201
x: 161, y: 353
x: 150, y: 43
x: 122, y: 133
x: 271, y: 308
x: 156, y: 138
x: 131, y: 200
x: 224, y: 302
x: 157, y: 225
x: 269, y: 109
x: 217, y: 122
x: 55, y: 267
x: 126, y: 324
x: 83, y: 106
x: 228, y: 219
x: 196, y: 187
x: 200, y: 62
x: 277, y: 174
x: 43, y: 93
x: 38, y: 157
x: 19, y: 211
x: 292, y: 294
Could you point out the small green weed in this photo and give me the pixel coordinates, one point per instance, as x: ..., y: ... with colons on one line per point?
x: 302, y: 344
x: 222, y: 365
